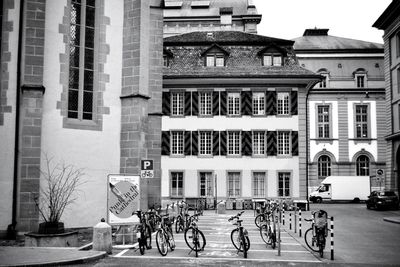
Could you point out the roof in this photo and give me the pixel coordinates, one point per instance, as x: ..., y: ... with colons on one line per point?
x: 388, y: 16
x: 223, y: 37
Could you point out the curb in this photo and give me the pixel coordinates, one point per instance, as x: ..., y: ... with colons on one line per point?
x: 392, y: 219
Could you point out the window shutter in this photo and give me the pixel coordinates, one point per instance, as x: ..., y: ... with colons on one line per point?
x: 271, y: 103
x: 246, y: 143
x: 195, y: 143
x: 271, y: 143
x: 187, y: 103
x: 246, y: 102
x: 223, y: 143
x: 215, y: 143
x: 187, y: 143
x: 195, y: 103
x: 215, y: 103
x: 293, y: 103
x: 222, y: 100
x: 165, y: 143
x: 166, y: 103
x: 295, y: 143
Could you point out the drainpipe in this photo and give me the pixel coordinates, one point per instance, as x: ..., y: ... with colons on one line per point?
x: 11, y: 229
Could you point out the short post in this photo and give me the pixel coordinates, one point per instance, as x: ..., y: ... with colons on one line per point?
x: 290, y: 220
x: 332, y: 257
x: 295, y: 220
x: 283, y: 216
x: 299, y: 222
x: 279, y: 229
x: 102, y: 240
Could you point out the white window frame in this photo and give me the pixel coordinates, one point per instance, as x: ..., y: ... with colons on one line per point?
x: 283, y: 143
x: 258, y: 183
x: 215, y: 60
x: 258, y: 103
x: 233, y: 143
x: 283, y: 103
x: 233, y: 105
x: 361, y: 80
x: 177, y: 103
x: 272, y: 60
x: 206, y: 184
x: 234, y: 184
x: 205, y: 143
x: 285, y: 188
x: 258, y: 143
x: 325, y: 82
x: 177, y: 191
x: 363, y: 166
x: 323, y: 121
x: 324, y: 166
x: 361, y: 122
x: 177, y: 143
x: 205, y: 103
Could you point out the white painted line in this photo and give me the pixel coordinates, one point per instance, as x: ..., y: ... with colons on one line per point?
x: 121, y: 253
x: 251, y: 242
x: 251, y: 250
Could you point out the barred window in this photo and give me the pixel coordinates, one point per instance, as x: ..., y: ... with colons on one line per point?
x: 323, y: 121
x: 205, y: 142
x: 205, y: 103
x: 283, y: 103
x: 176, y: 184
x: 259, y: 184
x: 362, y: 165
x: 324, y: 166
x: 361, y: 121
x: 177, y: 103
x: 283, y: 143
x: 81, y: 59
x: 206, y: 184
x: 259, y: 143
x: 258, y: 103
x: 284, y: 184
x: 233, y: 103
x: 233, y: 184
x: 177, y: 142
x: 234, y: 143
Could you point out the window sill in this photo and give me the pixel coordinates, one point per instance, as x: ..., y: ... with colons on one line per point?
x: 81, y: 124
x: 324, y: 140
x: 177, y: 155
x: 283, y: 115
x: 284, y: 156
x: 233, y: 156
x: 205, y: 156
x: 362, y: 140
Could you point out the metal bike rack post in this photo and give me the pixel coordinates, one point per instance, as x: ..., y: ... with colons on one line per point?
x: 279, y: 228
x: 295, y: 220
x: 332, y: 253
x: 290, y: 220
x: 283, y: 216
x: 299, y: 222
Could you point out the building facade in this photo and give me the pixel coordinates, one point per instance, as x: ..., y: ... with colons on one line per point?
x: 346, y: 111
x: 389, y: 22
x: 81, y: 83
x: 185, y: 16
x: 233, y: 122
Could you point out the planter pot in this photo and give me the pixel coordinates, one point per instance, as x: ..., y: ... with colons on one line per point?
x: 51, y: 228
x: 68, y: 239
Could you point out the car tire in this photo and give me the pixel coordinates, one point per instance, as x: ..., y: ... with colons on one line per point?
x: 368, y: 207
x: 318, y: 200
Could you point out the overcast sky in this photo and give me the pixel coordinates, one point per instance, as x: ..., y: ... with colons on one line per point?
x: 353, y: 19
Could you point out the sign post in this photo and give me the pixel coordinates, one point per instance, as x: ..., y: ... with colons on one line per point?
x: 379, y: 177
x: 146, y: 168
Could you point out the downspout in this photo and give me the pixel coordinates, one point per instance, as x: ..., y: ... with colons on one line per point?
x: 11, y: 229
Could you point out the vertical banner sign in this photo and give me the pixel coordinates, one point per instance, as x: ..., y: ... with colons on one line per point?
x: 123, y: 199
x: 146, y: 168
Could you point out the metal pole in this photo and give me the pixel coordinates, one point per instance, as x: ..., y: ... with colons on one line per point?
x: 300, y: 222
x: 290, y: 220
x: 283, y: 216
x: 216, y: 196
x: 332, y: 257
x: 295, y: 220
x: 279, y: 229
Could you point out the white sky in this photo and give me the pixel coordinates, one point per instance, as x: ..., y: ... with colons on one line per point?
x: 287, y: 19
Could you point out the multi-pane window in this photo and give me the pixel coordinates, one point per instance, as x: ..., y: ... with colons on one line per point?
x: 258, y: 103
x: 323, y: 121
x: 259, y: 184
x: 360, y: 80
x: 165, y: 61
x: 272, y: 60
x: 233, y: 103
x: 361, y: 120
x: 283, y: 143
x: 177, y: 142
x: 81, y: 59
x: 233, y: 143
x: 215, y: 60
x: 176, y: 184
x: 283, y: 103
x: 205, y: 103
x: 284, y: 184
x: 324, y: 166
x: 177, y: 103
x: 233, y: 184
x: 206, y: 184
x: 258, y: 143
x: 324, y: 82
x: 362, y: 165
x: 205, y: 143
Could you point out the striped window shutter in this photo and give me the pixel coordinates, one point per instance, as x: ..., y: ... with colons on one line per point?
x: 187, y: 103
x: 187, y: 143
x: 195, y: 103
x: 293, y: 103
x: 222, y: 101
x: 165, y: 143
x: 246, y: 102
x: 271, y: 103
x: 166, y: 103
x: 215, y: 143
x: 271, y: 143
x: 222, y: 143
x: 215, y: 103
x: 195, y: 143
x: 295, y: 143
x: 246, y: 143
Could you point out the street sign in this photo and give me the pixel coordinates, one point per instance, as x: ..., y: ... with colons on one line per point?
x: 379, y: 172
x: 146, y: 168
x: 123, y: 199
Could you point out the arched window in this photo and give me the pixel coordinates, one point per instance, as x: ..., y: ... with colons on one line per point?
x: 324, y: 166
x: 325, y: 82
x: 362, y: 165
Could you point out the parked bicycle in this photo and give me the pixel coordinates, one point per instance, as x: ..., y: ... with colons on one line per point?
x: 268, y: 231
x: 181, y: 222
x: 164, y: 236
x: 239, y: 235
x: 315, y: 236
x: 143, y: 232
x: 194, y: 238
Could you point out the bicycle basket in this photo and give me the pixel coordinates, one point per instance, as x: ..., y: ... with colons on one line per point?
x: 321, y: 219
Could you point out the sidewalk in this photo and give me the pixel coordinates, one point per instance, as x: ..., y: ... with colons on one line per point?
x: 39, y: 256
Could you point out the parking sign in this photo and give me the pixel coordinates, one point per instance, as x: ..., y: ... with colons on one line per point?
x: 146, y: 168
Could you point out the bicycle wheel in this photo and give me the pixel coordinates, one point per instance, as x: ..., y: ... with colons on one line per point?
x: 141, y: 246
x: 162, y: 244
x: 259, y: 220
x: 310, y: 240
x: 179, y: 224
x: 147, y: 237
x: 195, y: 237
x: 171, y: 240
x: 265, y: 233
x: 273, y: 240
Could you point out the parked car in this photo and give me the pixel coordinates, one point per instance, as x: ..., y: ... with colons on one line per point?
x: 382, y: 199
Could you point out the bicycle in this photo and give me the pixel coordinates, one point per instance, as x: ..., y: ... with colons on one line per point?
x: 193, y: 234
x: 164, y: 236
x: 268, y: 235
x: 143, y: 232
x: 239, y: 235
x: 315, y: 236
x: 181, y: 222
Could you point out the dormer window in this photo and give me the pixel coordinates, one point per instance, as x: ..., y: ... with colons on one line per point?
x: 272, y: 60
x: 325, y: 82
x: 360, y: 78
x: 167, y: 56
x: 272, y: 55
x: 215, y: 56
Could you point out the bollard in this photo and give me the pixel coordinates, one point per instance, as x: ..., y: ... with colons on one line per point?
x: 295, y: 220
x: 300, y: 223
x: 283, y: 216
x: 102, y: 237
x: 290, y: 221
x: 279, y: 235
x: 332, y: 257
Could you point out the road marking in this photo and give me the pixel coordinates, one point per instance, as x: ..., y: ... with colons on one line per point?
x: 251, y: 242
x: 121, y: 253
